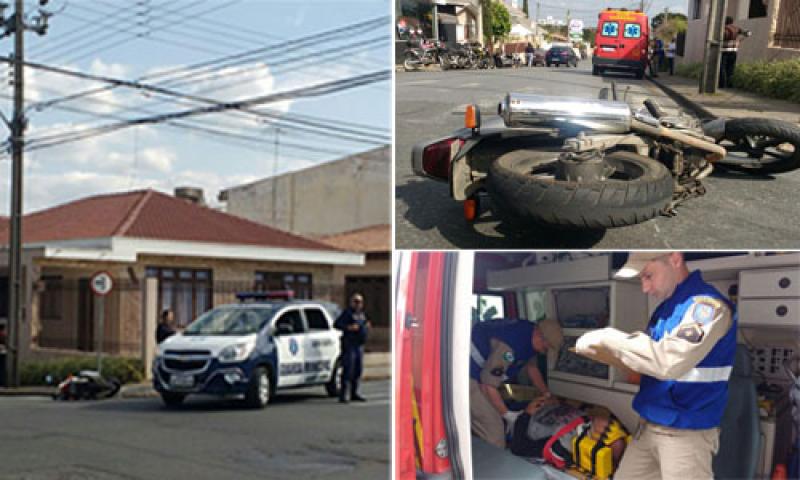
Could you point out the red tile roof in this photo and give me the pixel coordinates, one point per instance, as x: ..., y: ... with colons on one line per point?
x: 373, y: 239
x: 152, y: 215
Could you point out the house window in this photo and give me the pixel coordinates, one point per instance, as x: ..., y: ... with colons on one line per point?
x: 300, y: 283
x: 185, y: 291
x: 51, y: 299
x: 758, y: 9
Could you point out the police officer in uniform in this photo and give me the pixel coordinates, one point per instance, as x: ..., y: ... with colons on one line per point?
x: 354, y: 326
x: 500, y: 350
x: 685, y: 360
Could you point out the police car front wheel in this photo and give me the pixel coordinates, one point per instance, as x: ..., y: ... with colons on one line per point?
x: 260, y: 391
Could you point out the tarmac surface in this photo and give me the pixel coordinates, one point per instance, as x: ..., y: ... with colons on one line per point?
x: 301, y: 434
x: 739, y: 211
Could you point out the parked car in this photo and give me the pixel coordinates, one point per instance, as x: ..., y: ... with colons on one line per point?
x: 561, y: 56
x: 250, y: 349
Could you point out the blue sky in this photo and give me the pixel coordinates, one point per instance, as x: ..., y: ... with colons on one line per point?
x: 131, y: 39
x: 587, y: 10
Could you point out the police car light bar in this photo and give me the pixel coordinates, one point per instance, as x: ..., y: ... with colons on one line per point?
x: 268, y: 295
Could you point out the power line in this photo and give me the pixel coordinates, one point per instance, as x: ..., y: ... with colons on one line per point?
x: 170, y: 93
x: 303, y: 92
x: 186, y: 70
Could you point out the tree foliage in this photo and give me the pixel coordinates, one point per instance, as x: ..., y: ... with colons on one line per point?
x: 501, y: 20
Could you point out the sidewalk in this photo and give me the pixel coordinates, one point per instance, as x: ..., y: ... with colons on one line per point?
x: 728, y: 103
x: 377, y: 366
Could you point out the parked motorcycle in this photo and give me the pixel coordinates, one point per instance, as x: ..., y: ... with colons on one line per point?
x: 587, y: 163
x: 460, y: 56
x: 421, y: 54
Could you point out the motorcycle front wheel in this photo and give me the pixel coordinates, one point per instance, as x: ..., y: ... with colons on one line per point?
x: 411, y: 63
x: 523, y: 183
x: 773, y: 145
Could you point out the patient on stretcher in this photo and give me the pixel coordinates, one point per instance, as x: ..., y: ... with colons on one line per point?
x: 582, y: 439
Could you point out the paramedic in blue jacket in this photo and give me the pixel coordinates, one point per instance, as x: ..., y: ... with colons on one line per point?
x: 500, y: 350
x: 354, y: 326
x: 685, y: 360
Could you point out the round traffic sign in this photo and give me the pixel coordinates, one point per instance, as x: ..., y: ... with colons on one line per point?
x: 101, y: 283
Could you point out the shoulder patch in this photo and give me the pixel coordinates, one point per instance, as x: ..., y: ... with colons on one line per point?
x: 704, y: 309
x: 691, y: 333
x: 508, y: 356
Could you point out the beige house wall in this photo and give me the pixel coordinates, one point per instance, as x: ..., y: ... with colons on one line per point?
x: 43, y: 338
x: 755, y: 48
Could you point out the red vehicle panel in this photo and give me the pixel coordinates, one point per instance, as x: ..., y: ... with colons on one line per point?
x: 621, y: 40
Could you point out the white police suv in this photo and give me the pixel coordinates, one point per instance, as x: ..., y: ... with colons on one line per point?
x: 252, y: 349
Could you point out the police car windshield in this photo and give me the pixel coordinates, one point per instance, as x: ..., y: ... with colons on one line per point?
x: 231, y: 321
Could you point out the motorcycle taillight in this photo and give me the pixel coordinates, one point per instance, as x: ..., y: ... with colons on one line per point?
x: 436, y: 157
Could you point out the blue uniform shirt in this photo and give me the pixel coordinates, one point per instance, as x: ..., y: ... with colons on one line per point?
x: 696, y: 400
x: 517, y: 334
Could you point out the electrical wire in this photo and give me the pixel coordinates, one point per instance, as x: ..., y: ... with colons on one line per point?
x: 169, y: 73
x: 172, y: 93
x: 325, y: 88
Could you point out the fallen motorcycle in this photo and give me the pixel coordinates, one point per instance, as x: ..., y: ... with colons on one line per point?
x: 87, y: 385
x: 586, y: 163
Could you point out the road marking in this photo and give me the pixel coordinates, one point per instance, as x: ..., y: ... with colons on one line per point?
x: 420, y: 82
x: 470, y: 85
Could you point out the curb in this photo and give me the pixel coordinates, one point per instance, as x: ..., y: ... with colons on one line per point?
x: 27, y: 392
x: 697, y: 109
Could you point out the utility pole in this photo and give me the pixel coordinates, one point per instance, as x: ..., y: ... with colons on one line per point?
x: 714, y: 35
x: 275, y: 179
x: 538, y: 9
x: 16, y: 25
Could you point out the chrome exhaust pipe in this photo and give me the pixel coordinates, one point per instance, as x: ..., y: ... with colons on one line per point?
x: 524, y: 110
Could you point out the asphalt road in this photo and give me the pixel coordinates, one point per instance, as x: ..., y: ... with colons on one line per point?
x: 738, y: 212
x: 301, y: 435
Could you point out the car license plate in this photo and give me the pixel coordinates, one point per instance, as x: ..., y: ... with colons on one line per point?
x: 182, y: 381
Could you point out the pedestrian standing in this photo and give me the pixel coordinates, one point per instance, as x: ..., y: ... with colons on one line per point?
x: 652, y: 59
x: 354, y: 325
x: 684, y: 358
x: 659, y: 55
x: 671, y: 48
x: 165, y: 328
x: 529, y: 54
x: 730, y: 47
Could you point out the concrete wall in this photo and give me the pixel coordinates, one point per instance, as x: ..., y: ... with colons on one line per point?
x: 751, y: 49
x: 334, y: 197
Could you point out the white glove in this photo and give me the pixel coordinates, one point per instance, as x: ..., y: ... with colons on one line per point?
x: 511, y: 417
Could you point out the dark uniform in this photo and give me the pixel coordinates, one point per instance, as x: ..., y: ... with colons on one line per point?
x: 163, y: 332
x: 352, y: 349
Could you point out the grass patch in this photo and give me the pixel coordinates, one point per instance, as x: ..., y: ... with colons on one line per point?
x: 690, y: 70
x: 772, y: 79
x: 126, y: 370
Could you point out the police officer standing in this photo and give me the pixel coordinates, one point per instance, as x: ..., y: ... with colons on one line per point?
x: 354, y: 326
x: 685, y: 359
x: 500, y: 350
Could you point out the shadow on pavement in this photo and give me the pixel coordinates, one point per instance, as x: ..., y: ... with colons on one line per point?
x: 447, y: 218
x: 724, y: 173
x: 197, y: 403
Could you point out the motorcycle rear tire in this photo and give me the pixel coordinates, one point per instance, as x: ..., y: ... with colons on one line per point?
x: 594, y: 205
x: 737, y: 129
